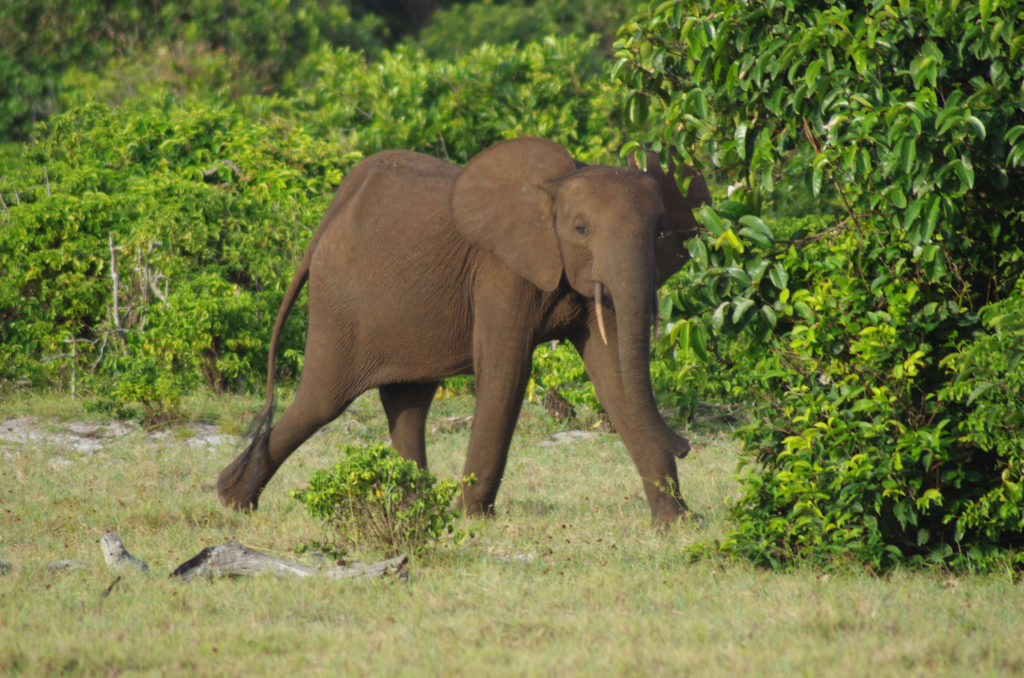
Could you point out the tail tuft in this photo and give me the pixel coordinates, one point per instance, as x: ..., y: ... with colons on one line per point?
x: 241, y: 482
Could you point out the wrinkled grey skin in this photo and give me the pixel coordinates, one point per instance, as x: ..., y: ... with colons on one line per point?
x: 422, y: 269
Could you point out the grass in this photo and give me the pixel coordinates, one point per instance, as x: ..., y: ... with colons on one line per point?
x: 568, y: 579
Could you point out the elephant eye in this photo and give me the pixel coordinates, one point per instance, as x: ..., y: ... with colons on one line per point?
x: 582, y: 229
x: 662, y: 229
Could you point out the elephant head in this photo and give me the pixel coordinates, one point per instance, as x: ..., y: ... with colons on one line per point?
x: 504, y: 204
x: 609, y: 231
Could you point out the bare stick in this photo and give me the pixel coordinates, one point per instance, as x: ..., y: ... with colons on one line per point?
x: 114, y: 278
x: 46, y: 174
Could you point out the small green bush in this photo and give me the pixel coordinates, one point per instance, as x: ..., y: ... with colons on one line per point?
x: 375, y: 500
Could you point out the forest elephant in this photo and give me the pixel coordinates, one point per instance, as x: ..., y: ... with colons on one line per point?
x: 422, y: 269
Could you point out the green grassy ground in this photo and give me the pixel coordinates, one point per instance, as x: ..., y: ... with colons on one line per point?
x: 568, y: 579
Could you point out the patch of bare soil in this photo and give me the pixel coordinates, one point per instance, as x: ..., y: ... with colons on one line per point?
x: 87, y: 438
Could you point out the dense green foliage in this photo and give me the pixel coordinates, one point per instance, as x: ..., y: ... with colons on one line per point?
x: 458, y: 29
x: 373, y: 500
x: 878, y: 342
x: 147, y: 245
x: 47, y: 45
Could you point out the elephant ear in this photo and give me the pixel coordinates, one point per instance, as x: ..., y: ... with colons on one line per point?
x: 680, y: 224
x: 503, y: 204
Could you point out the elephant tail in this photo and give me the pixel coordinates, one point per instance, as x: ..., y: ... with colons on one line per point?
x: 290, y: 295
x: 241, y: 482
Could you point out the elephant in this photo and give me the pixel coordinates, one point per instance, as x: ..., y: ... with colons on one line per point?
x: 422, y: 269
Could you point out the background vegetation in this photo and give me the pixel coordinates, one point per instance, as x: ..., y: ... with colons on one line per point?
x: 855, y: 298
x: 869, y: 331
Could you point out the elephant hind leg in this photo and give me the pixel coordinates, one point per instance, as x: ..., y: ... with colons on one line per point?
x: 406, y: 406
x: 242, y: 481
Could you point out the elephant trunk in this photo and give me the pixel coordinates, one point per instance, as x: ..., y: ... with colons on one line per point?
x: 652, y: 444
x: 634, y: 313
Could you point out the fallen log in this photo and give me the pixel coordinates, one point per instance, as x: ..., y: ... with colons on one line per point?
x: 232, y: 559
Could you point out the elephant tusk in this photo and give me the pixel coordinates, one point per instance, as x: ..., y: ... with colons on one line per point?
x: 598, y: 303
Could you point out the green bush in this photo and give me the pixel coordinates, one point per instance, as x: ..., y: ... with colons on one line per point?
x: 44, y: 39
x: 200, y: 212
x: 456, y: 30
x: 559, y: 366
x: 453, y: 110
x: 374, y: 500
x: 849, y: 333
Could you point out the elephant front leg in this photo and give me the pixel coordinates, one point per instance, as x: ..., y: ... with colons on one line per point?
x: 407, y: 406
x: 502, y: 370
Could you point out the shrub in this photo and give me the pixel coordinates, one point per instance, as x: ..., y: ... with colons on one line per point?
x: 44, y: 39
x: 200, y: 213
x: 456, y: 30
x: 858, y: 336
x: 373, y: 499
x: 455, y: 109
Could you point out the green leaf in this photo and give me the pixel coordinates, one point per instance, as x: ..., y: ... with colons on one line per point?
x: 741, y: 140
x: 698, y: 251
x: 1013, y: 134
x: 637, y: 108
x: 985, y: 9
x: 816, y: 179
x: 803, y: 310
x: 698, y: 341
x: 923, y: 68
x: 932, y: 220
x: 739, y: 309
x: 739, y: 275
x: 754, y: 223
x: 977, y: 125
x: 979, y: 391
x: 912, y: 212
x: 811, y: 76
x: 629, y: 148
x: 709, y: 217
x: 908, y: 153
x: 718, y: 317
x: 965, y: 172
x: 728, y: 236
x: 778, y: 275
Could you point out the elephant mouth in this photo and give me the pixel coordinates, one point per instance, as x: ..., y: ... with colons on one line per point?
x: 599, y: 305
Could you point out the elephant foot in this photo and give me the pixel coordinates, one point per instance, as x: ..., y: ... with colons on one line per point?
x: 233, y: 488
x: 664, y: 516
x: 472, y: 504
x: 475, y: 509
x: 241, y: 482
